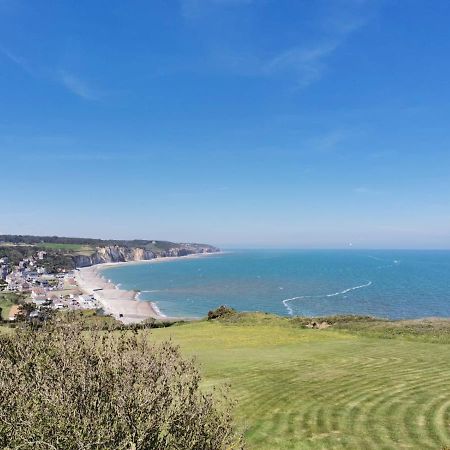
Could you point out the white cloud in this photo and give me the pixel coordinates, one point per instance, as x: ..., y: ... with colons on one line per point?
x: 327, y: 142
x: 18, y: 60
x: 331, y: 25
x: 366, y: 190
x: 306, y: 62
x: 70, y: 81
x: 77, y: 86
x: 14, y: 58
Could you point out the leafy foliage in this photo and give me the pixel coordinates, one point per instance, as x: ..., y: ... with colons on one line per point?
x: 54, y: 260
x: 65, y: 389
x: 16, y: 253
x: 7, y: 299
x: 221, y: 312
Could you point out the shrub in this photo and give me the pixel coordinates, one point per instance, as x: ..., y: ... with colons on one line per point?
x: 220, y: 312
x: 62, y: 388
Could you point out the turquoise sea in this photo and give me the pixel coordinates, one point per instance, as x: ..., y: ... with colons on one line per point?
x: 391, y: 284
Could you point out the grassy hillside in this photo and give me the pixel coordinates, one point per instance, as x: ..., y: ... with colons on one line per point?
x: 336, y: 388
x: 68, y: 247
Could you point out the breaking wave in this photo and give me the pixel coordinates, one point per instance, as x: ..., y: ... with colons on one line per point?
x: 287, y: 301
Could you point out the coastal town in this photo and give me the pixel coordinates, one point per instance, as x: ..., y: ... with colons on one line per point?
x: 41, y: 275
x: 40, y: 291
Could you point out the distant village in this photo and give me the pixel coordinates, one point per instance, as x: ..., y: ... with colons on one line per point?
x: 42, y: 291
x: 37, y: 273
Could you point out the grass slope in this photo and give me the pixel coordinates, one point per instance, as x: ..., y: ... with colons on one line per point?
x: 77, y: 249
x: 325, y: 389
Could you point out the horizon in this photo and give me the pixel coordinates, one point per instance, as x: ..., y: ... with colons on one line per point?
x: 232, y: 122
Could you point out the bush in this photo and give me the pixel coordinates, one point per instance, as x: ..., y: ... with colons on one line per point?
x: 221, y: 311
x: 62, y: 388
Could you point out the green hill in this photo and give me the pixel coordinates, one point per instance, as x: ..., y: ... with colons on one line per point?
x: 359, y: 385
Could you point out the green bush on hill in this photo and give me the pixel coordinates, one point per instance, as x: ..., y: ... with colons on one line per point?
x: 65, y: 389
x: 7, y: 299
x: 221, y: 312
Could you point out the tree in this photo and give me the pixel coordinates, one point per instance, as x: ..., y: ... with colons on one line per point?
x: 62, y: 388
x: 25, y: 310
x: 221, y: 312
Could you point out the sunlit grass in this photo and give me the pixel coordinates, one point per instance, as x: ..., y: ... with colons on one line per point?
x: 320, y: 389
x: 79, y: 248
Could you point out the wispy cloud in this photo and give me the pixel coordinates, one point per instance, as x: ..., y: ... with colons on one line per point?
x: 306, y: 62
x: 364, y: 190
x: 331, y: 24
x: 14, y: 58
x: 68, y: 80
x: 77, y: 86
x: 327, y: 142
x: 18, y: 60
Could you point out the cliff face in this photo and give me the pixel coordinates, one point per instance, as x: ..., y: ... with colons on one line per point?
x: 123, y: 254
x: 120, y: 254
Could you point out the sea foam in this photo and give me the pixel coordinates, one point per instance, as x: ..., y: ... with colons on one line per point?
x: 286, y: 302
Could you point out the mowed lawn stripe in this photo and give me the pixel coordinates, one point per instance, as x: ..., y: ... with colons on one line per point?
x: 315, y: 389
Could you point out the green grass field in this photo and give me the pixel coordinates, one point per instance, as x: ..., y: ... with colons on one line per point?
x: 70, y: 247
x: 326, y: 389
x: 80, y: 249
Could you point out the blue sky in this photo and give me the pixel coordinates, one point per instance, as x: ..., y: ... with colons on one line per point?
x: 265, y: 123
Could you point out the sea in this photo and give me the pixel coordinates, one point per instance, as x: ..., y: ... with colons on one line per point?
x: 400, y: 284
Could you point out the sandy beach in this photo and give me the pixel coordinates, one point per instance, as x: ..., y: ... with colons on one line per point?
x: 121, y: 304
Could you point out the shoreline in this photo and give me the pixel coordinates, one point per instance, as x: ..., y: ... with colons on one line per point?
x: 154, y: 260
x: 124, y: 305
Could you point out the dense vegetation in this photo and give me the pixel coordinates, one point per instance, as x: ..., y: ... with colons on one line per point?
x: 65, y: 389
x: 16, y: 253
x: 54, y: 260
x: 7, y: 299
x: 361, y: 383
